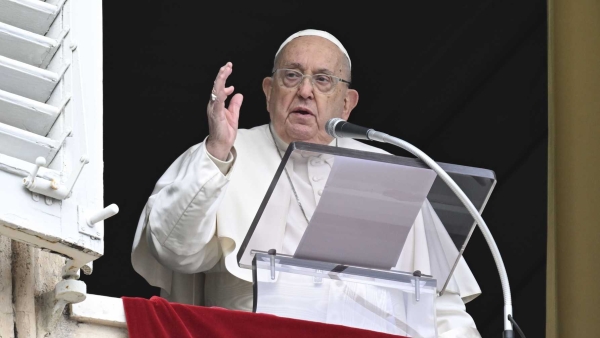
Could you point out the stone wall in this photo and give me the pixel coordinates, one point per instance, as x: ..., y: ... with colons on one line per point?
x: 27, y: 279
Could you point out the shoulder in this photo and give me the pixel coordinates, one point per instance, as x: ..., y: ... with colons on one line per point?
x: 255, y: 132
x: 245, y: 137
x: 255, y: 136
x: 253, y: 140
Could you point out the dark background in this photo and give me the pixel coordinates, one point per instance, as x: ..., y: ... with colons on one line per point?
x: 466, y: 82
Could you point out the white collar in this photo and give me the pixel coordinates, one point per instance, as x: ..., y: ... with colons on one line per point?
x: 282, y: 145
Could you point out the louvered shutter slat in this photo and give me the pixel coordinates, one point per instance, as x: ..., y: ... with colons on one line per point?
x: 28, y: 81
x: 31, y: 15
x: 27, y: 47
x: 26, y: 146
x: 27, y: 114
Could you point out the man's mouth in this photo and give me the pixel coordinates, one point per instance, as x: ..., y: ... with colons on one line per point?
x: 302, y: 111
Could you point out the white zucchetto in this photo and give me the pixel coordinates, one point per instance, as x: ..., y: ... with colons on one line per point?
x: 316, y: 32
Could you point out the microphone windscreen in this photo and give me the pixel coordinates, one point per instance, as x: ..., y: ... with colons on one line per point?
x: 330, y: 126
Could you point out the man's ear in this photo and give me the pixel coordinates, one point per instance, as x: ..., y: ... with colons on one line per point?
x: 266, y: 86
x: 350, y: 102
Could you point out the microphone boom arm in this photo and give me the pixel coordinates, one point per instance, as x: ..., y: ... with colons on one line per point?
x: 385, y: 138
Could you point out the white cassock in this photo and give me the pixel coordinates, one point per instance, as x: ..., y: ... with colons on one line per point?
x: 201, y: 209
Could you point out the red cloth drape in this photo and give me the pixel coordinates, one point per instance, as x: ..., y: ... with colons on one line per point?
x: 159, y: 318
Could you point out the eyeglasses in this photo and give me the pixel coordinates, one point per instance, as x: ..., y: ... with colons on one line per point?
x: 291, y: 78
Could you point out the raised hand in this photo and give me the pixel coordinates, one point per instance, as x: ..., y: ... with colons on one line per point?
x: 222, y: 122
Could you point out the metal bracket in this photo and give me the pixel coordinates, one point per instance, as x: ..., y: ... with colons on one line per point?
x: 52, y: 188
x: 417, y: 275
x: 68, y: 291
x: 272, y: 253
x: 87, y: 222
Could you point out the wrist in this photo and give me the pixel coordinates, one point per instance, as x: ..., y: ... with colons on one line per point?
x: 217, y: 150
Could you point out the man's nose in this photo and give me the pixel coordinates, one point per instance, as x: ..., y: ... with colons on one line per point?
x: 305, y: 88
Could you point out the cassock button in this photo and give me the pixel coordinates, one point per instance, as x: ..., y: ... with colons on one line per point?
x: 320, y: 192
x: 316, y: 178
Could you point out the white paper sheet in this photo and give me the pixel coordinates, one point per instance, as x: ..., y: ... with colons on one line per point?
x: 365, y: 213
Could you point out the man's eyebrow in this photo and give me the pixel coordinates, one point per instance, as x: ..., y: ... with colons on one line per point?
x: 323, y: 71
x: 296, y: 65
x: 293, y: 65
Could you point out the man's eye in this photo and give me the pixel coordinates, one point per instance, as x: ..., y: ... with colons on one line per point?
x: 322, y: 78
x: 292, y: 75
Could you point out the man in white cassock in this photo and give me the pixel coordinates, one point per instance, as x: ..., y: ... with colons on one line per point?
x: 193, y: 224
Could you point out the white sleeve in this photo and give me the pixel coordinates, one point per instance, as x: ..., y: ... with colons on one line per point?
x: 181, y: 212
x: 453, y: 321
x: 223, y: 166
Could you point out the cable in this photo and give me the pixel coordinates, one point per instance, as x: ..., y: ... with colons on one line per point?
x: 516, y: 326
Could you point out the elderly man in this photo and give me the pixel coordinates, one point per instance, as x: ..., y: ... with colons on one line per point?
x: 201, y: 208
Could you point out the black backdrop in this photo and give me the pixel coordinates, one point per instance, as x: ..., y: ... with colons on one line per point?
x: 466, y: 82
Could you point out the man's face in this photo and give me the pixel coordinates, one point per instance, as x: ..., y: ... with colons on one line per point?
x: 300, y: 113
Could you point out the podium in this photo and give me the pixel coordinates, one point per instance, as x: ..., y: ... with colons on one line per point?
x: 373, y: 250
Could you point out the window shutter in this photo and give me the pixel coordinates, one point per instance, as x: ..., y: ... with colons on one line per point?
x: 51, y: 127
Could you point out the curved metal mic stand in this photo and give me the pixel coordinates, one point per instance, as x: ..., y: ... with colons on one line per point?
x: 385, y: 138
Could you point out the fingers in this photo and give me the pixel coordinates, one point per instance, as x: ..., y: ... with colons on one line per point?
x: 234, y: 107
x: 219, y: 85
x: 219, y: 93
x: 228, y: 90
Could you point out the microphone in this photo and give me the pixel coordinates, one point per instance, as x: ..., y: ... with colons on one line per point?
x: 338, y: 128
